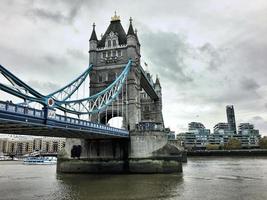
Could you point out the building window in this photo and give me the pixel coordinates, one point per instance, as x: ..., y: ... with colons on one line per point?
x: 104, y: 54
x: 100, y: 78
x: 119, y: 53
x: 113, y: 53
x: 111, y: 76
x: 109, y: 43
x: 114, y: 43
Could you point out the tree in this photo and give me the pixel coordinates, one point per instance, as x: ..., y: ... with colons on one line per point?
x: 233, y: 143
x: 212, y: 147
x: 263, y: 143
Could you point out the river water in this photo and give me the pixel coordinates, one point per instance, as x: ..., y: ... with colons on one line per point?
x: 203, y: 179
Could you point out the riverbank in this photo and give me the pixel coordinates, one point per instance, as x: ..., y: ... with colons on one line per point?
x: 241, y: 152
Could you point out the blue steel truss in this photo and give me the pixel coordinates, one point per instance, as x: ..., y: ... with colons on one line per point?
x: 61, y: 98
x: 97, y: 102
x: 18, y: 119
x: 65, y: 92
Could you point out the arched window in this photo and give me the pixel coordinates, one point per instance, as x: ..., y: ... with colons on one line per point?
x: 114, y: 43
x: 109, y: 43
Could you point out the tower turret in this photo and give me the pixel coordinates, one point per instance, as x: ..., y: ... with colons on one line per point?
x: 130, y: 29
x: 92, y: 47
x: 157, y: 86
x: 133, y: 45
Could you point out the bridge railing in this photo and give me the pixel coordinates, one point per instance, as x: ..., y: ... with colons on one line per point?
x: 14, y: 108
x: 31, y: 112
x: 81, y: 122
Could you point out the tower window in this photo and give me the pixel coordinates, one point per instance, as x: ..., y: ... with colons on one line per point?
x: 111, y: 76
x: 119, y: 53
x: 100, y: 78
x: 109, y: 43
x: 114, y: 43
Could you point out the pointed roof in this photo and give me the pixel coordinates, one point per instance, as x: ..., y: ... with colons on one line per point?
x: 130, y: 30
x: 115, y: 27
x: 157, y: 81
x: 93, y: 35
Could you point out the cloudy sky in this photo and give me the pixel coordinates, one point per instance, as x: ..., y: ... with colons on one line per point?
x: 208, y: 53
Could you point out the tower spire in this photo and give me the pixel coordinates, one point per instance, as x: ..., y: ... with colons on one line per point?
x: 93, y: 35
x: 130, y: 30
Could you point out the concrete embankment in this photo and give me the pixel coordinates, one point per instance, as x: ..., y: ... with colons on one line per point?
x: 242, y: 152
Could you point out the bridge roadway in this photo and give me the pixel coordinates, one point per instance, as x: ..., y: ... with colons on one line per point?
x: 147, y: 85
x: 17, y: 119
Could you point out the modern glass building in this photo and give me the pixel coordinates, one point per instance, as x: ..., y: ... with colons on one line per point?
x: 230, y: 113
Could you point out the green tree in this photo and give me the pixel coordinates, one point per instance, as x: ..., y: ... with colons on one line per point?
x: 212, y: 147
x: 263, y: 143
x: 233, y: 143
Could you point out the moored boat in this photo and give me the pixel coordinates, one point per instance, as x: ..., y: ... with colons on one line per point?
x: 40, y: 160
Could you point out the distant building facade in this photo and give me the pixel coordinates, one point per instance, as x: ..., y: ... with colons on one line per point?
x: 222, y: 128
x: 198, y: 137
x: 22, y: 146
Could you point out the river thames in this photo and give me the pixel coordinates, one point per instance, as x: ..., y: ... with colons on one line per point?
x: 203, y: 178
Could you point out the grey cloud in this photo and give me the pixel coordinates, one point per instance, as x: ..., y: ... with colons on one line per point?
x: 53, y: 11
x: 46, y: 14
x: 43, y: 86
x: 259, y: 123
x: 257, y: 118
x: 75, y: 53
x: 167, y: 51
x: 54, y: 60
x: 249, y: 84
x: 215, y: 57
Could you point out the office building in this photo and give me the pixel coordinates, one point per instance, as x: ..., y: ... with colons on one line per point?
x: 230, y: 112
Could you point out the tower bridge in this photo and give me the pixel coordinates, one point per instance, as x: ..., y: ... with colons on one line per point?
x: 119, y: 86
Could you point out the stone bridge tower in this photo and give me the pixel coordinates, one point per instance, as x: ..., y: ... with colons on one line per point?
x: 146, y: 150
x: 109, y: 55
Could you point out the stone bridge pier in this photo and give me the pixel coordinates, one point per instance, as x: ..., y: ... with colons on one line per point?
x: 96, y: 156
x: 146, y: 151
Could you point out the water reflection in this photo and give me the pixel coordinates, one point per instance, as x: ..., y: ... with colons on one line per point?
x: 154, y: 186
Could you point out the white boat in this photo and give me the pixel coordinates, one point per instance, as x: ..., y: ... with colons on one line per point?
x: 40, y: 161
x: 4, y: 158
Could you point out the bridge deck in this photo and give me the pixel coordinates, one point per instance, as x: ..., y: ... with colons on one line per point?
x: 16, y: 119
x: 147, y: 86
